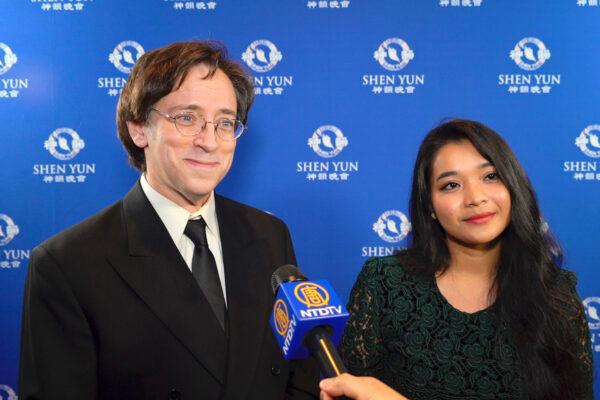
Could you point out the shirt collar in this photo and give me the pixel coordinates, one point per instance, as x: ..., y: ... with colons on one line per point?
x: 175, y: 217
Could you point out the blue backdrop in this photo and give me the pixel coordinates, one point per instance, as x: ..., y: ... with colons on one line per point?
x: 346, y: 90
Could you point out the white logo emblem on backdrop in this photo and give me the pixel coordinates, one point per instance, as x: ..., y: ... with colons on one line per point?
x: 64, y: 144
x: 392, y: 226
x: 393, y: 54
x: 592, y: 309
x: 7, y: 58
x: 328, y: 141
x: 262, y: 55
x: 125, y: 55
x: 8, y: 394
x: 8, y: 230
x: 530, y: 54
x: 588, y: 141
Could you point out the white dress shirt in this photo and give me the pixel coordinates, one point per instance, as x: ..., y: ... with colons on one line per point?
x: 175, y: 219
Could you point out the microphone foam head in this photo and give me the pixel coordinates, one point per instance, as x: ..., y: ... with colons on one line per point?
x: 286, y: 273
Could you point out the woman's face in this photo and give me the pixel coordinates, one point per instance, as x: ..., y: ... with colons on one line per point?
x: 469, y: 200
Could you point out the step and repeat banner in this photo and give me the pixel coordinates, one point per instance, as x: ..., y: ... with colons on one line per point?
x: 345, y: 92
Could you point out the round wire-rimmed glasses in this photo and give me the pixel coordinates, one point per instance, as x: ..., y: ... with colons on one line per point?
x: 188, y: 123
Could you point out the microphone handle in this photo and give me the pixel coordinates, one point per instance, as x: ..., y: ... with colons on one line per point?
x: 322, y: 349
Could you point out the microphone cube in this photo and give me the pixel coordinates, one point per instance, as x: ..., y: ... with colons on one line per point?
x: 300, y: 306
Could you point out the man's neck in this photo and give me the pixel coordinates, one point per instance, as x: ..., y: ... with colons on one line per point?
x: 191, y: 205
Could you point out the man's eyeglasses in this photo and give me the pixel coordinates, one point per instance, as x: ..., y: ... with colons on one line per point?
x: 188, y: 123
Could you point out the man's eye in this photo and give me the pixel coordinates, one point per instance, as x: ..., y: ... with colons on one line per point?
x: 185, y: 119
x: 226, y: 124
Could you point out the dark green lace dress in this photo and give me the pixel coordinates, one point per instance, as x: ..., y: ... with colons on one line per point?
x: 404, y: 332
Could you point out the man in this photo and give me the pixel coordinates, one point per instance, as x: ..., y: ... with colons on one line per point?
x: 165, y: 294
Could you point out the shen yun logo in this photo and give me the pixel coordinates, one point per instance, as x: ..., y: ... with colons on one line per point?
x: 191, y: 5
x: 392, y: 226
x: 592, y: 310
x: 394, y: 54
x: 530, y: 54
x: 7, y: 58
x: 6, y: 393
x: 125, y: 55
x: 588, y: 141
x: 10, y: 258
x: 123, y: 58
x: 11, y: 87
x: 64, y: 144
x: 62, y: 5
x: 8, y: 229
x: 262, y: 55
x: 327, y: 141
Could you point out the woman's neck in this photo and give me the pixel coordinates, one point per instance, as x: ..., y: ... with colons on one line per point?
x: 467, y: 282
x: 474, y: 261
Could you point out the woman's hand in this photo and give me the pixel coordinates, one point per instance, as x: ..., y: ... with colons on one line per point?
x: 357, y: 388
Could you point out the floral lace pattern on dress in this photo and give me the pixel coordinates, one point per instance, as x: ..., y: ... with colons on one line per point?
x: 404, y: 332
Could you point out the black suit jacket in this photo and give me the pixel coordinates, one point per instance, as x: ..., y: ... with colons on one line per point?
x: 111, y: 311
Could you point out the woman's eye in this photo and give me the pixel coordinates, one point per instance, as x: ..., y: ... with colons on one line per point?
x: 449, y: 186
x: 492, y: 176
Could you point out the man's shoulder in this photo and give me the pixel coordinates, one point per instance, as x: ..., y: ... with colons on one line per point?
x: 254, y: 214
x: 86, y: 234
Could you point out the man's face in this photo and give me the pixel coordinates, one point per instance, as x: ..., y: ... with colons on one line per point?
x: 185, y: 169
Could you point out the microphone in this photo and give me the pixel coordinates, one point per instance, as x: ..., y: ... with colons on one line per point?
x: 307, y: 318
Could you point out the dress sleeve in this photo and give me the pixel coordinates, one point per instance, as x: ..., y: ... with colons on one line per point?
x: 584, y: 348
x: 362, y: 344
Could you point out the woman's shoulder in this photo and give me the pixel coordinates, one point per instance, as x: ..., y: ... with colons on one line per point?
x: 396, y: 268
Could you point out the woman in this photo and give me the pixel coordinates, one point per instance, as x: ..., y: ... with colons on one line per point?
x: 478, y: 307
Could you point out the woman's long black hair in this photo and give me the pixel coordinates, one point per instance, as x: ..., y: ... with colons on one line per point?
x: 533, y: 298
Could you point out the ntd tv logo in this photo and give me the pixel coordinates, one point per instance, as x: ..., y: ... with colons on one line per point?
x: 301, y: 306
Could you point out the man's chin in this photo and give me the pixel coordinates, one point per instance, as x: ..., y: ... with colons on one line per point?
x: 197, y: 195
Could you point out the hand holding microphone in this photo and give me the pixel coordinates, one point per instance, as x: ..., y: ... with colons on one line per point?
x: 357, y: 388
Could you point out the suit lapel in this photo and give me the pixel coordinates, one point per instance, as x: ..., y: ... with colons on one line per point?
x: 248, y: 295
x: 155, y: 270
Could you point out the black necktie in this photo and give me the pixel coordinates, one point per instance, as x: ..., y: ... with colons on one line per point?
x: 204, y: 268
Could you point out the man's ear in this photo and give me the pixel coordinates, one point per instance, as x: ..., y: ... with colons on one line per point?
x: 138, y: 134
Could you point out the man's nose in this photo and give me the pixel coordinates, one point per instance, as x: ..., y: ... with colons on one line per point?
x: 207, y: 137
